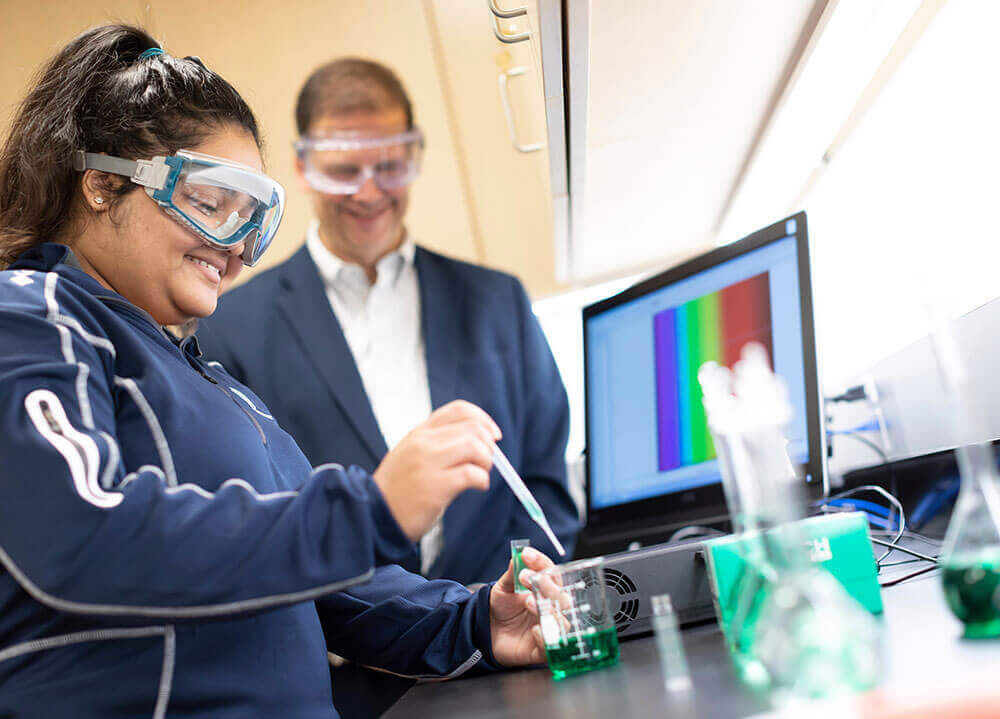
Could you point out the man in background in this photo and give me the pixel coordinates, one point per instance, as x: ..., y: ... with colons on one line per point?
x: 361, y: 333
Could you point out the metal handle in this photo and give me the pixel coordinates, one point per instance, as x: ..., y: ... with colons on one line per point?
x: 509, y: 39
x: 500, y: 12
x: 503, y: 80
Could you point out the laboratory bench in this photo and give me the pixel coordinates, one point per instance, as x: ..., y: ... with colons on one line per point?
x: 923, y: 646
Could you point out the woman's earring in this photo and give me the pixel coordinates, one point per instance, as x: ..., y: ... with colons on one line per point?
x: 98, y: 200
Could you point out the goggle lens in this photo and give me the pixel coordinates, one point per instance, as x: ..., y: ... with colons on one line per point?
x: 228, y: 205
x: 220, y: 211
x: 341, y: 166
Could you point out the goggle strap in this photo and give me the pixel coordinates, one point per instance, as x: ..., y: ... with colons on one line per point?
x: 148, y: 173
x: 153, y: 175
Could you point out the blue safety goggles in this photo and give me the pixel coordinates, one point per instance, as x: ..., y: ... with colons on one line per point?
x: 224, y: 203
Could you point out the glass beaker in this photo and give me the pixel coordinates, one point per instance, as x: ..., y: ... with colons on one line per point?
x: 577, y: 626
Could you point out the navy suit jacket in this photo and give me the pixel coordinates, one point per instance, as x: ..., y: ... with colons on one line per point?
x: 278, y: 335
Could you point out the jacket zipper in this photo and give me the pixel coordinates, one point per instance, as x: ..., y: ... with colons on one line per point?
x: 260, y: 430
x: 225, y: 391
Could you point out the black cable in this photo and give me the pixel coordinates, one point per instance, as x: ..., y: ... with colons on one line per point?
x: 892, y: 500
x: 864, y: 440
x: 901, y: 562
x: 895, y: 546
x: 911, y: 575
x: 910, y: 534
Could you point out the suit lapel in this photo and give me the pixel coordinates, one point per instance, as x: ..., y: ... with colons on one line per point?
x: 307, y: 310
x: 440, y: 324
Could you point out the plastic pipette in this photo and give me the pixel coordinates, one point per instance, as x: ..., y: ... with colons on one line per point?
x: 523, y: 494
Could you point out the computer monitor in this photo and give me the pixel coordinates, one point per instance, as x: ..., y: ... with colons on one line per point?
x: 650, y: 461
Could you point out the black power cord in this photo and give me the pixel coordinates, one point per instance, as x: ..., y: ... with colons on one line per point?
x: 911, y: 575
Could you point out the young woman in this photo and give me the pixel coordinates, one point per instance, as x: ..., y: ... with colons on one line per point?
x: 165, y: 549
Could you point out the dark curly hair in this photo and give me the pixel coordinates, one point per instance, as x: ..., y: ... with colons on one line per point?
x: 98, y: 95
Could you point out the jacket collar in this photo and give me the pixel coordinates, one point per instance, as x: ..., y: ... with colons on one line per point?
x: 441, y: 309
x: 302, y: 298
x: 54, y: 257
x: 42, y: 257
x: 303, y: 301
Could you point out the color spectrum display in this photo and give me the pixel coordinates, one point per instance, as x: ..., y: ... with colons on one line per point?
x: 711, y: 327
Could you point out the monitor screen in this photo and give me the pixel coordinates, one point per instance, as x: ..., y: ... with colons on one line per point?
x: 647, y: 436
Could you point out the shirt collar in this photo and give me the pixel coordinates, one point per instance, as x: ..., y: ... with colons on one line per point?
x: 332, y: 268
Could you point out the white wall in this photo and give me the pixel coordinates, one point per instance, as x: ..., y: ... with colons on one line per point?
x: 903, y: 216
x: 900, y: 193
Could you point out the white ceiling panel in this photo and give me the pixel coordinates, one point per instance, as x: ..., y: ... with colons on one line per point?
x: 677, y: 93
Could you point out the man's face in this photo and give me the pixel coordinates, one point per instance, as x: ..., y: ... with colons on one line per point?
x: 363, y: 227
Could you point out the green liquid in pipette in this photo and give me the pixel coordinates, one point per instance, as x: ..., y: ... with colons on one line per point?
x: 971, y: 590
x: 574, y: 655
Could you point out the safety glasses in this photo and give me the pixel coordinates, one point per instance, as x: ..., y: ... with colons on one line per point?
x: 340, y: 164
x: 224, y: 203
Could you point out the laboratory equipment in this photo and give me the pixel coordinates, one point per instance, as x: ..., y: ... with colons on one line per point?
x: 633, y: 578
x: 970, y: 556
x: 673, y: 662
x: 577, y: 626
x: 516, y: 547
x: 795, y: 630
x: 524, y: 496
x: 650, y: 462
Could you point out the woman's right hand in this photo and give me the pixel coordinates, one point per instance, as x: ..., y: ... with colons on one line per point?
x: 451, y: 451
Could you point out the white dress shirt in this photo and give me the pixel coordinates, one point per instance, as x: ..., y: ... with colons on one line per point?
x: 381, y: 323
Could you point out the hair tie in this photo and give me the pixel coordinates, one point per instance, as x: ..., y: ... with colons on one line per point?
x: 151, y: 52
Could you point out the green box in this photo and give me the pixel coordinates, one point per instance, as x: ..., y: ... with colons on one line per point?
x: 837, y: 542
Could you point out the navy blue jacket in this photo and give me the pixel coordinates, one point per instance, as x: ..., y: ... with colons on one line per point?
x: 278, y: 335
x: 165, y: 548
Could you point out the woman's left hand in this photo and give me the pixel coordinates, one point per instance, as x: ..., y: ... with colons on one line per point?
x: 517, y: 638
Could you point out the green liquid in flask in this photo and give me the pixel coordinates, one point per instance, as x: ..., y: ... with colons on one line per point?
x: 971, y: 590
x: 577, y: 654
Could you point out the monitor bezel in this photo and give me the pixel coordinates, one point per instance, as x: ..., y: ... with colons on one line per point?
x: 708, y: 503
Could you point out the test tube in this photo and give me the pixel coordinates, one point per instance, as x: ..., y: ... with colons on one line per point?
x: 516, y: 547
x: 676, y: 676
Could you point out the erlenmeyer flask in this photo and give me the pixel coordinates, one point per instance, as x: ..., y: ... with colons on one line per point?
x: 970, y: 557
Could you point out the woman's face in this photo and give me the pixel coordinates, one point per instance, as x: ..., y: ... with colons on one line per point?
x: 141, y: 253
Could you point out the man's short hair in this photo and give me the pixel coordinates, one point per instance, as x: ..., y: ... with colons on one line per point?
x: 350, y: 85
